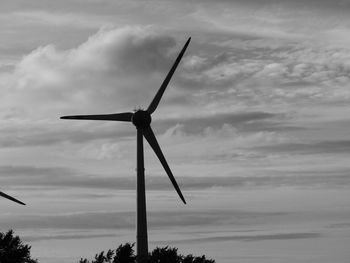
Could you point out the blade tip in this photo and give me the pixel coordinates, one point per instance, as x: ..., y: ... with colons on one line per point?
x: 68, y: 117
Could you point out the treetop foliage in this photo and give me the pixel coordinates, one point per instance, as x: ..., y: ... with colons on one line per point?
x: 12, y: 250
x: 126, y: 254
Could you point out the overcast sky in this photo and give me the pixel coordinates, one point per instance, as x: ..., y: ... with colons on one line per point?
x: 254, y: 124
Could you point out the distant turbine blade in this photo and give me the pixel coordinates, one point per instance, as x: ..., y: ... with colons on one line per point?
x: 149, y: 135
x: 11, y: 198
x: 125, y: 116
x: 154, y: 104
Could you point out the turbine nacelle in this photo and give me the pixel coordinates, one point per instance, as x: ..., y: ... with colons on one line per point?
x: 141, y: 119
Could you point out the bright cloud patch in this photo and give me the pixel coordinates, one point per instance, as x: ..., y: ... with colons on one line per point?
x: 114, y: 68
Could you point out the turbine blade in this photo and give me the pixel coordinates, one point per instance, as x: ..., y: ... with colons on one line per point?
x: 125, y: 116
x: 151, y: 138
x: 11, y: 198
x: 152, y: 107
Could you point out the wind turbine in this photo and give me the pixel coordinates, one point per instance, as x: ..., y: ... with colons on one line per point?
x: 142, y: 120
x: 11, y: 198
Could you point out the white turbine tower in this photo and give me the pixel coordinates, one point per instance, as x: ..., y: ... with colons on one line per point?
x: 142, y: 120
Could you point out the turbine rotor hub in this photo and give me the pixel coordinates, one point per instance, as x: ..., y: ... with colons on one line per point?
x: 141, y: 119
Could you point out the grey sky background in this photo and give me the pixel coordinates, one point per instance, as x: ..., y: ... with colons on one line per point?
x: 254, y: 126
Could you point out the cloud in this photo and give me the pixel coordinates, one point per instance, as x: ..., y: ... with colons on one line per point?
x: 247, y: 238
x: 298, y: 73
x: 104, y: 74
x: 226, y: 106
x: 217, y: 145
x: 339, y: 225
x: 323, y: 147
x: 46, y: 132
x: 49, y: 132
x: 33, y: 238
x: 197, y: 124
x: 64, y: 178
x: 60, y: 177
x: 59, y: 19
x: 105, y: 70
x: 125, y: 220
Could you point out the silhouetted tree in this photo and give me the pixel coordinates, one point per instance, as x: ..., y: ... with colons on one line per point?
x: 164, y: 255
x: 12, y: 249
x: 191, y: 259
x: 126, y: 254
x: 123, y: 254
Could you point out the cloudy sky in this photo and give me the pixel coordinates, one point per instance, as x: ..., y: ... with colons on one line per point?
x: 254, y: 124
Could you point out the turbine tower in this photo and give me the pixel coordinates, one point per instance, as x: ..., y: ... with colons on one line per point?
x: 11, y: 198
x: 142, y: 120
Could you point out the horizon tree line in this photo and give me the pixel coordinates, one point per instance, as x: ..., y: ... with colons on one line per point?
x: 13, y: 250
